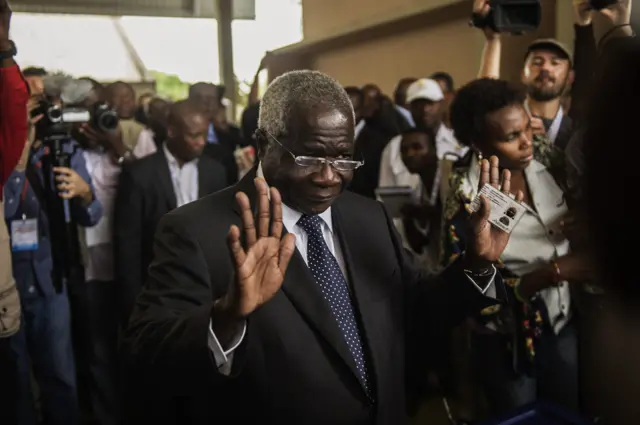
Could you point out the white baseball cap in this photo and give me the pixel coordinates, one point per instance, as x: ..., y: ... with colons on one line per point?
x: 424, y: 88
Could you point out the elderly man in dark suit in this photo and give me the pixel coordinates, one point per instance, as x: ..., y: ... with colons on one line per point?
x: 312, y: 313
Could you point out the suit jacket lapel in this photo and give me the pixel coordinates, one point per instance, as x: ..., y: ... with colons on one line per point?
x: 303, y: 291
x: 165, y: 180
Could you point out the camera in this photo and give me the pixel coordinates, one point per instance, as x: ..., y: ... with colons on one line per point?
x: 104, y: 117
x: 511, y: 16
x: 58, y: 118
x: 601, y: 4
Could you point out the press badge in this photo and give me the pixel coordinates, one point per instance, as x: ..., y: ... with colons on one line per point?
x: 506, y: 212
x: 24, y: 235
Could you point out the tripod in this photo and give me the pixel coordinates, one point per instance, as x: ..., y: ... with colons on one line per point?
x: 65, y: 246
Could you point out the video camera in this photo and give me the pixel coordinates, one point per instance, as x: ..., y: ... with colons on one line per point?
x: 601, y: 4
x: 58, y: 119
x: 510, y: 16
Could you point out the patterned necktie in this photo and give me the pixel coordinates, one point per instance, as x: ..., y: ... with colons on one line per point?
x: 327, y: 273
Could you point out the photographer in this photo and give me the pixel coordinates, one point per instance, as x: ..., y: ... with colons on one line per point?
x: 45, y: 342
x: 93, y: 304
x: 549, y: 70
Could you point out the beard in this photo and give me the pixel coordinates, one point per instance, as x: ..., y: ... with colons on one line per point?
x: 545, y: 93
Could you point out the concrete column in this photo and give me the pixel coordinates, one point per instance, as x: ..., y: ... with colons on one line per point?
x: 225, y: 51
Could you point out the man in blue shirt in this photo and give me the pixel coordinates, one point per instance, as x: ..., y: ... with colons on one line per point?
x: 44, y: 340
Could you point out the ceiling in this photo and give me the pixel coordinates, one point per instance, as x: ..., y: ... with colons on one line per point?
x: 242, y: 9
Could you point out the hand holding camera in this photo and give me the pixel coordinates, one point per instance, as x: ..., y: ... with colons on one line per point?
x: 583, y: 12
x: 617, y: 11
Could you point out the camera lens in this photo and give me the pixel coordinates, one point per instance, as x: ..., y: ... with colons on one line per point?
x: 105, y: 118
x: 54, y: 114
x: 108, y: 121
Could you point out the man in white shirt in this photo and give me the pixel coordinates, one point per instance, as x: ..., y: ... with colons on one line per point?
x: 425, y: 99
x: 321, y: 326
x: 173, y: 176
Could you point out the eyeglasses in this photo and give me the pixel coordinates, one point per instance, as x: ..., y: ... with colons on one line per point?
x: 318, y: 162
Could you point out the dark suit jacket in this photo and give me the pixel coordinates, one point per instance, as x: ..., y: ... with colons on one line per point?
x: 145, y: 194
x: 293, y: 366
x: 369, y: 146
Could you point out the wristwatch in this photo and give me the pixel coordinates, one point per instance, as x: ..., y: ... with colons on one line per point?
x: 128, y: 155
x: 7, y: 54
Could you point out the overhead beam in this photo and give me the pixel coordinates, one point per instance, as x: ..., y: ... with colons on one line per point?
x: 241, y: 9
x: 225, y: 52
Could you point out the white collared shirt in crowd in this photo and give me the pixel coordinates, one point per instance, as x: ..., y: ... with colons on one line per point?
x: 393, y: 172
x: 184, y: 179
x: 104, y: 176
x: 406, y: 114
x: 537, y: 239
x: 146, y: 144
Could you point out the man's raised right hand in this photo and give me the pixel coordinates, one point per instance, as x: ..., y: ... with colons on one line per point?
x: 261, y: 264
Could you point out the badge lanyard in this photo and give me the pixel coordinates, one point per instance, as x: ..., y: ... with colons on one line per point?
x: 552, y: 134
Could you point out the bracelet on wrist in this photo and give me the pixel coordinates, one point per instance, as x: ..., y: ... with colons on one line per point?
x: 126, y: 156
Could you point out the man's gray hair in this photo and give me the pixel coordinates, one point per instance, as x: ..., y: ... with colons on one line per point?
x: 299, y: 90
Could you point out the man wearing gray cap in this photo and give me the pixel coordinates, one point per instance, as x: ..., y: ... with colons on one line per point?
x: 547, y: 73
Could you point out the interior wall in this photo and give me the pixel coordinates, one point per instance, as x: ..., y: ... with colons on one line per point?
x: 321, y: 18
x: 451, y: 47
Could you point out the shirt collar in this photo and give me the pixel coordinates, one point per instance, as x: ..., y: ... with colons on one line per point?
x: 290, y: 216
x: 406, y: 114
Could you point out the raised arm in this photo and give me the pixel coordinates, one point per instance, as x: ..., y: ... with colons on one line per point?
x: 491, y: 54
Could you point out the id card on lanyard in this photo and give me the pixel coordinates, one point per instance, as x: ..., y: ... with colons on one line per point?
x: 24, y: 232
x: 554, y: 129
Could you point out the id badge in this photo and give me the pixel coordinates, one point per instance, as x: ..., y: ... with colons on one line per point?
x: 505, y: 211
x: 24, y: 235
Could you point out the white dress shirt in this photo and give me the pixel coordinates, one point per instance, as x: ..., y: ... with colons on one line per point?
x: 104, y: 176
x: 537, y: 239
x: 290, y: 217
x: 406, y: 114
x: 146, y: 144
x: 184, y: 179
x: 394, y: 173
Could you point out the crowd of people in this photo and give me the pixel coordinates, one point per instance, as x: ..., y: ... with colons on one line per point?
x: 326, y: 261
